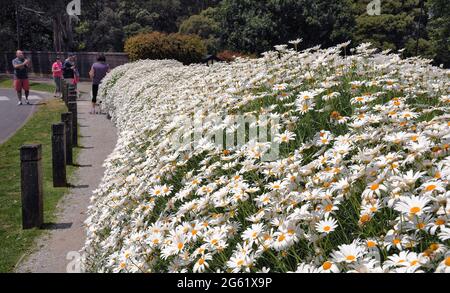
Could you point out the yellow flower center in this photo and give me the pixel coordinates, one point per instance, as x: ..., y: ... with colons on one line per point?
x: 365, y: 218
x: 447, y: 261
x: 434, y: 247
x: 240, y: 262
x: 329, y: 208
x: 350, y: 258
x: 327, y: 228
x: 201, y: 261
x: 440, y: 222
x: 180, y: 246
x: 431, y: 187
x: 414, y: 262
x: 375, y: 187
x: 415, y: 210
x: 396, y: 241
x: 371, y: 244
x: 327, y: 265
x: 281, y: 238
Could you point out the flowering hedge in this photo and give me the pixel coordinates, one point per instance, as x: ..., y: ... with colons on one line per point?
x: 361, y: 184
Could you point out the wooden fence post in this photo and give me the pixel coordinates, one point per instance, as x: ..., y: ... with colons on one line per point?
x: 31, y: 186
x: 59, y: 155
x: 73, y: 108
x: 64, y: 91
x: 67, y: 119
x: 72, y: 94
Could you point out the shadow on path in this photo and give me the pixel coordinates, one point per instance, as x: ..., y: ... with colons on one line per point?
x: 82, y: 166
x: 55, y: 226
x: 71, y: 186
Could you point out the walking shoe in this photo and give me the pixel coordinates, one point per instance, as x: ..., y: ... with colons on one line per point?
x: 28, y: 102
x: 19, y: 104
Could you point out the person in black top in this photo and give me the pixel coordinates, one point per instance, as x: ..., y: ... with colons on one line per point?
x: 69, y: 67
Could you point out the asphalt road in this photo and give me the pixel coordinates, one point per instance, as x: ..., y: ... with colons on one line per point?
x: 12, y: 116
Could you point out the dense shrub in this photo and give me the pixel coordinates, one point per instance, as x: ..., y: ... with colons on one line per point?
x: 184, y: 48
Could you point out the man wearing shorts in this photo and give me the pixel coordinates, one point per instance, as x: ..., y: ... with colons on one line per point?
x: 21, y: 82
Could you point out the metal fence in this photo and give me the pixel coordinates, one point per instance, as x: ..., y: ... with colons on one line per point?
x: 42, y: 62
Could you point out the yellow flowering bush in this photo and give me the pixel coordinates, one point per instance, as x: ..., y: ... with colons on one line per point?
x: 156, y: 45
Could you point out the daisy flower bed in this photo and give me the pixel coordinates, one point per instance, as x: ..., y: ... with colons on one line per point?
x: 360, y: 183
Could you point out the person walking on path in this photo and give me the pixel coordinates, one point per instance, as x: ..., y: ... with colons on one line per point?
x: 69, y: 69
x: 57, y: 70
x: 97, y: 73
x: 21, y: 82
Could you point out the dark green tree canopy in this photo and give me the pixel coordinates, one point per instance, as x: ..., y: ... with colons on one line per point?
x: 421, y: 27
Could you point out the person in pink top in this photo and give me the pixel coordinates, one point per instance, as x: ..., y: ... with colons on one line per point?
x: 57, y: 70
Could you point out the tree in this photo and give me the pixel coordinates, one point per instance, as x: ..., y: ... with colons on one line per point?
x: 256, y: 26
x: 439, y: 30
x: 402, y: 24
x: 205, y: 26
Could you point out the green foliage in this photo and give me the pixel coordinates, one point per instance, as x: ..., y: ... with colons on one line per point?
x: 256, y: 26
x: 184, y: 48
x: 439, y: 31
x: 205, y: 26
x: 105, y: 33
x: 421, y: 27
x: 401, y: 25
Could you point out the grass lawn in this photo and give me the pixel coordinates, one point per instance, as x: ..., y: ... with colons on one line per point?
x: 14, y: 241
x: 42, y: 87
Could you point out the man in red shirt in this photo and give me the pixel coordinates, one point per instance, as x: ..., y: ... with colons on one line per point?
x: 57, y: 70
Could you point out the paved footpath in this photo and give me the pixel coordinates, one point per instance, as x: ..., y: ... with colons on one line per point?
x: 98, y: 139
x: 13, y: 117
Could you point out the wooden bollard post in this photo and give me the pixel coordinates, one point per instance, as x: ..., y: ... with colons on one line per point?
x: 72, y: 94
x: 59, y: 155
x: 63, y: 89
x: 31, y: 186
x: 66, y: 118
x: 65, y: 92
x: 73, y: 108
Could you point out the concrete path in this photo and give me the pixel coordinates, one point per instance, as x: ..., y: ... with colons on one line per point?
x: 98, y: 139
x: 13, y: 117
